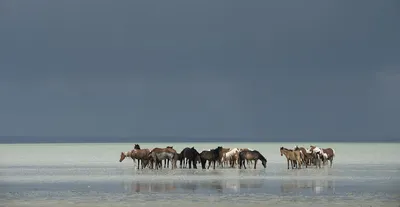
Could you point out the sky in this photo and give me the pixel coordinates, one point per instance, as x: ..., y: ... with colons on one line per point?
x: 260, y: 70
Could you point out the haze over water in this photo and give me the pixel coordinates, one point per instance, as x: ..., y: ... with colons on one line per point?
x: 90, y: 175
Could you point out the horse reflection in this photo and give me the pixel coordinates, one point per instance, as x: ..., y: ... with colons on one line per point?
x: 316, y: 186
x: 151, y: 186
x: 190, y: 185
x: 254, y: 183
x: 213, y: 185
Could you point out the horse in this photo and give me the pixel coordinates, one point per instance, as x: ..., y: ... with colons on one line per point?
x: 182, y: 160
x: 166, y: 161
x: 159, y: 154
x: 212, y: 156
x: 247, y: 149
x: 251, y: 155
x: 191, y: 155
x: 326, y: 154
x: 291, y: 155
x: 140, y: 154
x: 221, y: 155
x: 308, y: 156
x: 229, y: 156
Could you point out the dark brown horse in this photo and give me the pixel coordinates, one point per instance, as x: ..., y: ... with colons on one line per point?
x: 251, y: 155
x: 210, y: 156
x: 140, y: 154
x: 191, y: 155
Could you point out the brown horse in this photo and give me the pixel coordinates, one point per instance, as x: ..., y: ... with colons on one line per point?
x: 327, y: 154
x: 234, y: 159
x: 140, y: 154
x: 247, y: 149
x: 251, y: 155
x: 292, y: 156
x: 307, y: 160
x: 159, y: 154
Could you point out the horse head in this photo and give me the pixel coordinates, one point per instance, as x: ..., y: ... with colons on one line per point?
x: 170, y: 147
x: 264, y: 162
x: 136, y: 146
x: 281, y: 151
x: 123, y: 155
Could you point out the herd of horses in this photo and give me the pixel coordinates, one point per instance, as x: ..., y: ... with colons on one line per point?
x: 189, y: 157
x: 313, y: 156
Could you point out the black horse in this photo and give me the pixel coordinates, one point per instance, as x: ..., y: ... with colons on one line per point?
x: 251, y: 155
x: 211, y: 156
x: 191, y: 155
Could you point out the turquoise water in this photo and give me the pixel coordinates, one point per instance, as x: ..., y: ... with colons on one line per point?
x: 90, y: 175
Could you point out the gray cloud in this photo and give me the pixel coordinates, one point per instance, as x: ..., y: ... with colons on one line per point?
x: 200, y: 69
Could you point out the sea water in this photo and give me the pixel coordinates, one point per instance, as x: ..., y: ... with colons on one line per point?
x: 88, y: 174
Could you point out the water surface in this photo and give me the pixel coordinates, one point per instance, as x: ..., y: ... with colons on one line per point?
x: 90, y: 175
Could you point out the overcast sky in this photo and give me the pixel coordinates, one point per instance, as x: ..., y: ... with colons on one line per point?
x: 255, y: 69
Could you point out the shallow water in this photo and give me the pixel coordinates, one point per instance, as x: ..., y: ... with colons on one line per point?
x: 90, y: 175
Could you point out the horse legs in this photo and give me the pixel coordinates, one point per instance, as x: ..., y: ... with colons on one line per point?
x: 203, y: 163
x: 166, y: 163
x: 288, y: 164
x: 190, y: 164
x: 331, y: 160
x: 194, y: 164
x: 255, y: 164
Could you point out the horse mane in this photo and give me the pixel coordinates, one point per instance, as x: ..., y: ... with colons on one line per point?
x: 262, y: 158
x: 282, y: 148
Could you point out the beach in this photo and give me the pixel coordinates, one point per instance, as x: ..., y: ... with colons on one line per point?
x: 88, y: 174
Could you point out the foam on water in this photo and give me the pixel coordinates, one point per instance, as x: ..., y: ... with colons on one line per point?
x: 91, y: 175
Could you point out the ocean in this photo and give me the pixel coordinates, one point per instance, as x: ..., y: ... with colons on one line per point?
x: 90, y: 174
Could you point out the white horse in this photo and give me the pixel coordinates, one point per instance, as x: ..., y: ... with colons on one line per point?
x: 319, y: 155
x: 227, y: 157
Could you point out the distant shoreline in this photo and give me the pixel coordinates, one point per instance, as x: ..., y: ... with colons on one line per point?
x: 171, y: 139
x: 361, y: 142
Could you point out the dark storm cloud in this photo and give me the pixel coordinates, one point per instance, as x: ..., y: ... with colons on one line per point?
x: 263, y: 70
